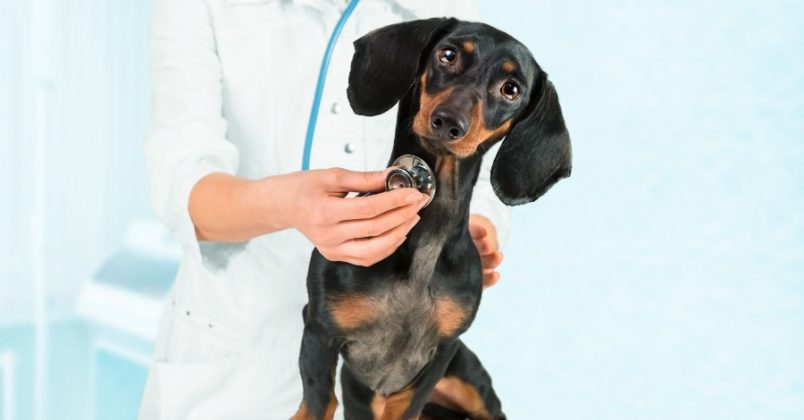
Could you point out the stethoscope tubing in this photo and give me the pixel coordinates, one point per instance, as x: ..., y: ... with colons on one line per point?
x: 322, y: 78
x: 411, y: 171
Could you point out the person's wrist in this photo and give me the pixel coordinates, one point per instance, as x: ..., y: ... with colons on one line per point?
x: 266, y: 197
x: 286, y: 201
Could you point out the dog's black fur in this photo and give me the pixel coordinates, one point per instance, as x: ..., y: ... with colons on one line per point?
x: 397, y: 323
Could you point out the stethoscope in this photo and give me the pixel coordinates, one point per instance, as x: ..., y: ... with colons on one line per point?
x: 408, y: 171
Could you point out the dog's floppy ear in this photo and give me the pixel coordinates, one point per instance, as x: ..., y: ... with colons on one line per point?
x: 387, y: 61
x: 536, y: 153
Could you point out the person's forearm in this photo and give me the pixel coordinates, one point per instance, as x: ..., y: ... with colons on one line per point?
x: 226, y: 208
x: 359, y: 230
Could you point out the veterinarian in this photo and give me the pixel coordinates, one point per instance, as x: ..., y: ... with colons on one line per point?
x: 232, y: 84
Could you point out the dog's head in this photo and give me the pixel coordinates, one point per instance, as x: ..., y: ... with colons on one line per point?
x: 474, y: 85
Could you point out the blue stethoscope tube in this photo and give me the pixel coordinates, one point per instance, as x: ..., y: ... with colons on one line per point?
x: 322, y: 77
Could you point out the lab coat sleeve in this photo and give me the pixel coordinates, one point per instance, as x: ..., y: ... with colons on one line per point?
x: 484, y: 201
x: 187, y: 137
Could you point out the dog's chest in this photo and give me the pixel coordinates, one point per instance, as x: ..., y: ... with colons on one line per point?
x: 413, y: 316
x: 388, y: 352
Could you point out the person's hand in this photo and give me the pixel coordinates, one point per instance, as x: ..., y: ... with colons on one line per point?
x: 485, y: 238
x: 358, y: 230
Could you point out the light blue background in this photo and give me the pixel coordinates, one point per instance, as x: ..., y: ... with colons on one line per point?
x: 663, y: 280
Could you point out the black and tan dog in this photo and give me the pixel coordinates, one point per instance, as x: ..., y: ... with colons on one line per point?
x: 461, y: 87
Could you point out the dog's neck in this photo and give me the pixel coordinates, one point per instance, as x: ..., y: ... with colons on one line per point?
x: 447, y: 216
x: 455, y: 177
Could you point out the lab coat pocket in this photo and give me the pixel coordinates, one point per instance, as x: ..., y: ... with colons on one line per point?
x: 202, y: 360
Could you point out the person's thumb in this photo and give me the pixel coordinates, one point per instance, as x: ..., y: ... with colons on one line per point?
x: 353, y: 181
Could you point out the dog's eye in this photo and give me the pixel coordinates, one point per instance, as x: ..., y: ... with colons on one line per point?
x: 447, y: 55
x: 510, y: 90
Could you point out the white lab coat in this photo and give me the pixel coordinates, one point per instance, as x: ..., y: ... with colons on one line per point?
x: 233, y: 83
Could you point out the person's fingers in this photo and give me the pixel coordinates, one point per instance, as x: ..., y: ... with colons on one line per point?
x: 490, y: 279
x: 492, y: 261
x: 374, y: 205
x: 390, y: 250
x: 365, y: 261
x: 368, y: 228
x: 477, y: 231
x: 370, y: 250
x: 343, y: 180
x: 485, y: 246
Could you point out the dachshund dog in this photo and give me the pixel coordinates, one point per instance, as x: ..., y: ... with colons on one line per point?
x: 461, y: 88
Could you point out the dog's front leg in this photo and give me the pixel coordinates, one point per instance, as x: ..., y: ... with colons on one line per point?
x: 317, y: 362
x: 467, y: 386
x: 409, y: 402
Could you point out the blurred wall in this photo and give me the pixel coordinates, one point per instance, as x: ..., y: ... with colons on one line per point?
x: 665, y: 278
x: 75, y: 105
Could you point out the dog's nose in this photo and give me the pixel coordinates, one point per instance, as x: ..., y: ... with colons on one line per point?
x: 447, y: 125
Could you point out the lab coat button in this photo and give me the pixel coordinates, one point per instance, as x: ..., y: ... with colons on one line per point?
x: 336, y: 108
x: 349, y: 148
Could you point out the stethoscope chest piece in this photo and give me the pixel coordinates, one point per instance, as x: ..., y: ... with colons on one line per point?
x: 411, y: 171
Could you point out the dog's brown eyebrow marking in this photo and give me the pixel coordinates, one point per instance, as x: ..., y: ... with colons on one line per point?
x: 509, y: 66
x: 469, y: 46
